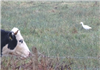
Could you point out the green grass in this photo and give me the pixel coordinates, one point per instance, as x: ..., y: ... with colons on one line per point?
x: 53, y: 27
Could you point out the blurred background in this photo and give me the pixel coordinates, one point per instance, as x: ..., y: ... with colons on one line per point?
x: 54, y: 28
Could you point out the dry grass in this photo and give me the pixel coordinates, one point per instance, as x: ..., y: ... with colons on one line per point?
x: 39, y: 61
x: 34, y: 62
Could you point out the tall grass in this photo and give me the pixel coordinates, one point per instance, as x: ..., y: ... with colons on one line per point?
x: 53, y: 27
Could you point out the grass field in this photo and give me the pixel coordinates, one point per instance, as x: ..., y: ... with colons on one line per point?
x: 53, y: 27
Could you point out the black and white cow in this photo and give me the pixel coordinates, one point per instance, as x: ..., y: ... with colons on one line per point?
x: 12, y: 42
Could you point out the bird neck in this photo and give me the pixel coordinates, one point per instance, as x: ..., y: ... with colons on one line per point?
x: 82, y: 24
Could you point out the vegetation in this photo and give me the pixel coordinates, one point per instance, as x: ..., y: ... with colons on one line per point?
x: 53, y: 27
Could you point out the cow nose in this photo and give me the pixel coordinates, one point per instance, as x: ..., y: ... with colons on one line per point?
x: 30, y: 54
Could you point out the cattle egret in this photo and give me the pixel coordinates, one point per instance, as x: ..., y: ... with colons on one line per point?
x: 85, y: 26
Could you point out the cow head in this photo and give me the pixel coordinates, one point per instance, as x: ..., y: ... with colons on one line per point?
x: 19, y: 48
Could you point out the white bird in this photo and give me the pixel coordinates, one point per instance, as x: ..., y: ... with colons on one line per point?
x: 85, y: 26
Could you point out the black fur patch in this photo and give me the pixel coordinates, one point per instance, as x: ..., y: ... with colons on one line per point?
x: 7, y: 38
x: 12, y: 44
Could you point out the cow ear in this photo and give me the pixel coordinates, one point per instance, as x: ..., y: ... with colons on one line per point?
x: 11, y: 35
x: 16, y: 32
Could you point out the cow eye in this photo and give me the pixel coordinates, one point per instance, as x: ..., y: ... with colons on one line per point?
x: 21, y: 41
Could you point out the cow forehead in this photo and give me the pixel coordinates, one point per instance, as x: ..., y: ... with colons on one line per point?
x: 14, y: 29
x: 18, y: 35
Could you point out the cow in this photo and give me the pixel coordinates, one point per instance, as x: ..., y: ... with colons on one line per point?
x: 13, y: 43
